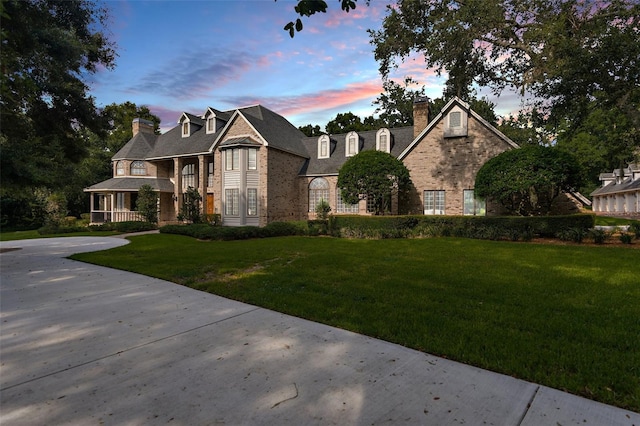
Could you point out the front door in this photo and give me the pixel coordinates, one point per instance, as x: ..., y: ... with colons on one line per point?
x: 210, y: 209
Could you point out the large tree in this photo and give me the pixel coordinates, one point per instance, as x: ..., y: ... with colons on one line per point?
x: 526, y: 181
x: 48, y: 49
x: 565, y: 54
x: 374, y: 175
x: 395, y: 104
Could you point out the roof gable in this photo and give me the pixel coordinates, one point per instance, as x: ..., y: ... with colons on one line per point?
x: 440, y: 117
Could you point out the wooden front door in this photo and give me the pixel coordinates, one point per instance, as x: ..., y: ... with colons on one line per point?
x: 210, y: 209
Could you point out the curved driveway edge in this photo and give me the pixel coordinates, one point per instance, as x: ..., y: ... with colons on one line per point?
x: 85, y: 344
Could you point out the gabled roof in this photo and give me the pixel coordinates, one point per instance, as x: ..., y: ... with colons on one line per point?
x: 401, y: 137
x: 276, y: 130
x: 224, y: 115
x: 192, y: 118
x: 445, y: 110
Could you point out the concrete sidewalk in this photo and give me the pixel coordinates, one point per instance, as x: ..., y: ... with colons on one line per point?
x: 83, y: 344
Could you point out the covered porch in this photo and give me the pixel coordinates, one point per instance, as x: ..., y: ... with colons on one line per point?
x: 114, y: 200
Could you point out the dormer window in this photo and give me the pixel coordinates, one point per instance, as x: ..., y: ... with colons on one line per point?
x: 119, y: 168
x: 383, y: 140
x: 323, y: 146
x: 455, y: 123
x: 185, y: 129
x: 211, y: 124
x: 352, y: 144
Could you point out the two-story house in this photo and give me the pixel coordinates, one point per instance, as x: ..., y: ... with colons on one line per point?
x: 253, y: 167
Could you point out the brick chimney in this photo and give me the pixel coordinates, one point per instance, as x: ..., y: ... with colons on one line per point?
x: 142, y: 125
x: 420, y: 115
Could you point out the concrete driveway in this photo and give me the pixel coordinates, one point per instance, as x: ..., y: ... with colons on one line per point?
x: 83, y: 344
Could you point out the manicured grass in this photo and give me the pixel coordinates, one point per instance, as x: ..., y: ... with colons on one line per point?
x: 27, y: 235
x: 564, y: 316
x: 613, y: 221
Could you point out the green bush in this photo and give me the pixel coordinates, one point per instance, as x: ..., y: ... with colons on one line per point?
x: 481, y: 227
x: 626, y: 238
x: 634, y: 228
x: 599, y: 236
x: 205, y: 231
x: 125, y: 227
x: 572, y: 234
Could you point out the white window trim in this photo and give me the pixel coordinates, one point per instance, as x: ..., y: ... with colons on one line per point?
x: 324, y: 139
x: 356, y: 148
x: 434, y: 210
x: 386, y: 133
x: 456, y: 131
x: 186, y: 125
x: 211, y: 119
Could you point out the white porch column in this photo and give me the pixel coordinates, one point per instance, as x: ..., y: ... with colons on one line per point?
x: 177, y: 190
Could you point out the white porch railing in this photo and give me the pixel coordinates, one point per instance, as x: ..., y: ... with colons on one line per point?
x: 102, y: 216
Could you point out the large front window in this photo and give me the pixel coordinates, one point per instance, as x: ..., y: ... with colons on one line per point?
x: 232, y: 202
x: 433, y: 202
x: 318, y: 191
x: 473, y: 206
x: 252, y: 202
x: 189, y: 176
x: 232, y: 159
x: 252, y: 159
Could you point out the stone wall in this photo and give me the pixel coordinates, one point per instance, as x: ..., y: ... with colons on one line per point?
x: 450, y: 164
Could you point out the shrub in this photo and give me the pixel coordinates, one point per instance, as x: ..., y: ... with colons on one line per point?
x: 125, y: 227
x: 147, y: 203
x: 626, y: 238
x: 205, y: 231
x: 322, y: 209
x: 572, y: 234
x: 600, y: 236
x: 634, y: 228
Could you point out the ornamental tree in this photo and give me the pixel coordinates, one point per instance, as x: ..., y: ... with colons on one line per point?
x: 147, y: 203
x: 527, y: 180
x: 374, y: 175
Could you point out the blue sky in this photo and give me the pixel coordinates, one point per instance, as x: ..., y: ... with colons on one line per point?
x: 176, y: 56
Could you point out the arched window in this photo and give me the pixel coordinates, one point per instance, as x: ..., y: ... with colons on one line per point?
x: 383, y: 140
x: 323, y: 146
x: 138, y: 168
x: 352, y: 142
x: 318, y: 191
x: 119, y: 168
x: 189, y: 176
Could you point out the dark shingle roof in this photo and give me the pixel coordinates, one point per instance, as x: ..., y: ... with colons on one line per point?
x: 131, y: 184
x: 626, y: 185
x: 401, y: 137
x: 137, y: 148
x: 275, y: 129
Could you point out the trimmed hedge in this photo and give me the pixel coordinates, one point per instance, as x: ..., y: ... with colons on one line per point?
x: 512, y: 228
x: 482, y: 227
x: 125, y: 227
x: 204, y: 231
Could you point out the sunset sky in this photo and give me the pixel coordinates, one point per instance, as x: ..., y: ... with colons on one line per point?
x: 176, y: 56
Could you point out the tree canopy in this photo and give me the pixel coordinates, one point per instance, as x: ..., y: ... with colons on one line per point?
x: 48, y: 47
x: 374, y: 175
x: 527, y: 180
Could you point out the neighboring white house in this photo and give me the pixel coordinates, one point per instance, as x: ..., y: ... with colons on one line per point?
x: 619, y: 194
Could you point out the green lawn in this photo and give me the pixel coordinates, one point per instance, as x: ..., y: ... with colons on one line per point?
x: 27, y: 235
x: 564, y: 316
